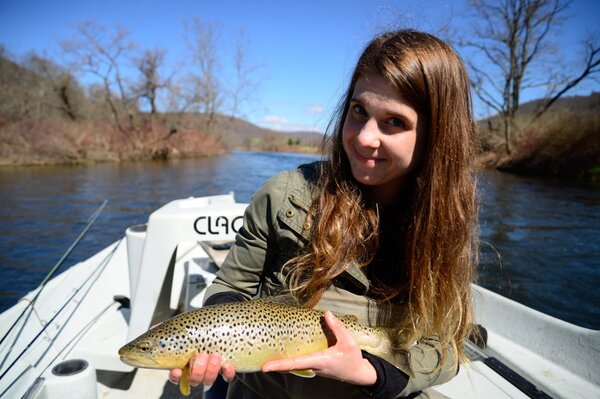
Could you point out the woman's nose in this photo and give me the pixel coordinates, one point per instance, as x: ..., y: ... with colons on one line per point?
x: 368, y: 135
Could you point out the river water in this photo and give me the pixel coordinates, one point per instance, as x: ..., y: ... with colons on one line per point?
x: 540, y: 238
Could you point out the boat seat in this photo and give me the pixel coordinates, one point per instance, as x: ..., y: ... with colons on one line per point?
x: 216, y: 250
x: 187, y: 220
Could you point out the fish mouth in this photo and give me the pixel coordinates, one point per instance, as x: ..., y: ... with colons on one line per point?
x: 137, y: 362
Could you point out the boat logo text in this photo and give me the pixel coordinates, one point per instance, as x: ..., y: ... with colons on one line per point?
x: 220, y: 225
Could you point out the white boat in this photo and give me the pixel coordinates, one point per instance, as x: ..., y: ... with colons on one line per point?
x: 61, y: 340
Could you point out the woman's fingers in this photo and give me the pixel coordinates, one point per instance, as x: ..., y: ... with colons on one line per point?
x: 332, y: 362
x: 204, y: 370
x: 342, y: 335
x: 319, y: 360
x: 228, y: 372
x: 212, y: 369
x: 311, y: 361
x: 175, y: 375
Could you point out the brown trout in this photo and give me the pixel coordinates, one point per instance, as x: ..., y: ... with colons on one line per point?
x: 247, y: 335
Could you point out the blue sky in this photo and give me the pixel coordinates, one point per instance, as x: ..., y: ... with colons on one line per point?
x: 304, y: 50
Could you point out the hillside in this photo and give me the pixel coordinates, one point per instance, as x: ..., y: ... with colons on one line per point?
x: 578, y: 104
x: 46, y: 117
x: 57, y: 140
x: 563, y: 142
x: 240, y: 134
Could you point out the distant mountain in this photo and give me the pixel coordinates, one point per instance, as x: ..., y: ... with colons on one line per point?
x: 241, y: 134
x: 584, y: 106
x: 587, y: 103
x: 571, y: 104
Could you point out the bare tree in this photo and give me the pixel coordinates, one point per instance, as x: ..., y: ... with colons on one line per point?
x: 590, y: 66
x: 151, y: 81
x: 21, y: 91
x: 510, y: 39
x: 67, y: 96
x: 243, y: 82
x: 36, y: 87
x: 203, y: 84
x: 103, y: 54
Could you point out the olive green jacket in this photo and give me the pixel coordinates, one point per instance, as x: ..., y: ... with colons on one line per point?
x: 276, y: 227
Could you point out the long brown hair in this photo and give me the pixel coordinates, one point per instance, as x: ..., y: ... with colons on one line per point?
x: 438, y: 230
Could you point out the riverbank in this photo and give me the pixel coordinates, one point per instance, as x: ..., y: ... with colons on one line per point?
x: 564, y: 142
x: 56, y: 141
x: 59, y: 141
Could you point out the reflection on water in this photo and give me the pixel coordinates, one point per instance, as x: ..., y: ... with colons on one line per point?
x: 540, y: 241
x: 541, y: 246
x: 43, y: 209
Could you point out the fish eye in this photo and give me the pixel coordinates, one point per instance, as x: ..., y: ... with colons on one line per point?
x: 144, y: 346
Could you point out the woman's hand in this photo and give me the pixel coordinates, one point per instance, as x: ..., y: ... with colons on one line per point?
x: 342, y: 361
x: 204, y: 370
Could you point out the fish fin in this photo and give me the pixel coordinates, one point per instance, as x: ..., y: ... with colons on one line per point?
x: 282, y: 299
x: 184, y: 381
x: 308, y: 373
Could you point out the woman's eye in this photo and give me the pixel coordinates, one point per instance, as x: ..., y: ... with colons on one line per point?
x: 397, y: 122
x: 359, y: 110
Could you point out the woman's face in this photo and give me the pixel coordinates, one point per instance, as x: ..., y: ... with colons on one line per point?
x: 380, y: 137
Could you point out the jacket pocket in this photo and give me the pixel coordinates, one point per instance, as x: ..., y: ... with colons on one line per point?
x: 295, y: 215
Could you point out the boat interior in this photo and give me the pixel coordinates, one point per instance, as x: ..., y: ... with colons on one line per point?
x: 64, y: 336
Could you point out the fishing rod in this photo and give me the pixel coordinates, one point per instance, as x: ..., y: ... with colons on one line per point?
x: 60, y: 353
x: 93, y: 218
x: 94, y: 272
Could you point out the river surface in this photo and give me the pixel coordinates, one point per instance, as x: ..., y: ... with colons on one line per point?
x: 540, y: 238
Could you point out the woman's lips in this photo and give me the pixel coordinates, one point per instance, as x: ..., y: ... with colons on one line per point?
x: 365, y: 159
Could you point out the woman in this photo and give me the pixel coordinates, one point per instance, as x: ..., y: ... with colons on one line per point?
x: 384, y: 229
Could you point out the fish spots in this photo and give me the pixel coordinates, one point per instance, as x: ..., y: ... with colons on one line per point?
x: 246, y: 334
